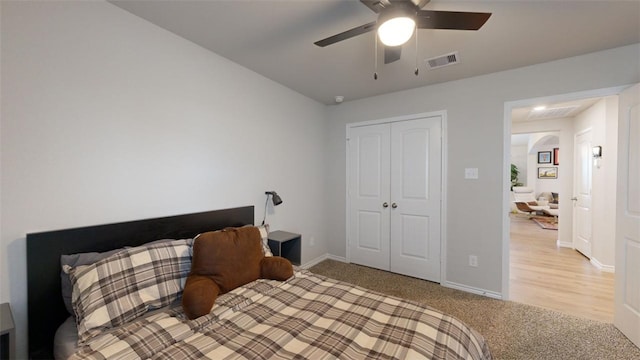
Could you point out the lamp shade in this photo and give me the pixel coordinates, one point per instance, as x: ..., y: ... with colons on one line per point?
x: 277, y: 200
x: 396, y: 31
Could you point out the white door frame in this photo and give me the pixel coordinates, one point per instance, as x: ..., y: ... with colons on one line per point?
x: 506, y: 169
x: 443, y: 201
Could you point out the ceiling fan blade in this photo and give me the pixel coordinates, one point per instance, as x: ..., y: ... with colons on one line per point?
x: 452, y: 20
x: 392, y: 53
x: 347, y: 34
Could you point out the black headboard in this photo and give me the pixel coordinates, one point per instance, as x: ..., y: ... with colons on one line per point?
x: 45, y: 307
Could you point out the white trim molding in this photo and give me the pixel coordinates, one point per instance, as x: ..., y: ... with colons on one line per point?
x: 473, y: 290
x: 603, y: 267
x: 322, y: 258
x: 564, y: 244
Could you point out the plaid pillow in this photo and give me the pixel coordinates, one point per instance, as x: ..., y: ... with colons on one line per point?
x: 264, y: 234
x: 126, y: 285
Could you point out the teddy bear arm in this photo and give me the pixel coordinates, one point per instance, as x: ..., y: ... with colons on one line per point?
x: 275, y: 268
x: 200, y: 292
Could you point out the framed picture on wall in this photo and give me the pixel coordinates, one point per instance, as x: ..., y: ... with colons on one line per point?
x: 544, y: 157
x: 548, y: 172
x: 556, y: 158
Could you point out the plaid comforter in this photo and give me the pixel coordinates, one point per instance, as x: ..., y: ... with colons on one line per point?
x: 305, y: 317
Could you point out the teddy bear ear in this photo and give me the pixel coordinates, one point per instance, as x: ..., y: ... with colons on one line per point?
x: 276, y: 268
x: 200, y: 292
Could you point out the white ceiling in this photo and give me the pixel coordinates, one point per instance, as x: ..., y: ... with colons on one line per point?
x: 568, y: 109
x: 275, y: 39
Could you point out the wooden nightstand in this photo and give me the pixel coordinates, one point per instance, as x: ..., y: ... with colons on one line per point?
x: 7, y: 333
x: 286, y: 244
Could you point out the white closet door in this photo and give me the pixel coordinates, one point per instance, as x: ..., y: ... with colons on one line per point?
x: 368, y: 192
x: 627, y: 297
x: 416, y: 173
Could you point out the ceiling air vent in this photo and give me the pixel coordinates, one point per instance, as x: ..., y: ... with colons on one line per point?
x: 552, y: 113
x: 444, y: 60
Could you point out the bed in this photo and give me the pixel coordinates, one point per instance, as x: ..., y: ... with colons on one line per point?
x: 306, y: 316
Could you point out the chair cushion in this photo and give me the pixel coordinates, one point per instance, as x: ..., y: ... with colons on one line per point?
x: 526, y: 197
x: 522, y: 189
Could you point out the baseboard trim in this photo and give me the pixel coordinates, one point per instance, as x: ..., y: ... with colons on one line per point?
x: 473, y: 290
x: 337, y: 258
x: 322, y: 258
x: 449, y: 284
x: 564, y: 244
x: 602, y: 267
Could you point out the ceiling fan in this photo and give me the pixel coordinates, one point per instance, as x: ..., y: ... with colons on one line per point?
x: 398, y: 20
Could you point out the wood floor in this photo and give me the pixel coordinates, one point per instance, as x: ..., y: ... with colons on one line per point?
x: 551, y: 277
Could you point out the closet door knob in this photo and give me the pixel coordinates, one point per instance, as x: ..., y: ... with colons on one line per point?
x: 394, y: 205
x: 385, y: 205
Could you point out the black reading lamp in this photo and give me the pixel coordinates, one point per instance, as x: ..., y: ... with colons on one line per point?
x: 276, y: 201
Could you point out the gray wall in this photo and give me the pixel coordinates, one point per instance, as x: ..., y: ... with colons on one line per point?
x: 475, y: 138
x: 106, y: 118
x: 602, y: 119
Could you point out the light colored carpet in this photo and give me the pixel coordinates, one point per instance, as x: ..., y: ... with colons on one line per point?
x: 513, y: 330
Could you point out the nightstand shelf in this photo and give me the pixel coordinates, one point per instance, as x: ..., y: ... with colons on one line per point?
x: 286, y: 244
x: 7, y: 333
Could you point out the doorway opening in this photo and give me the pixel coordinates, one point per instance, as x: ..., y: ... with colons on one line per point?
x: 543, y: 267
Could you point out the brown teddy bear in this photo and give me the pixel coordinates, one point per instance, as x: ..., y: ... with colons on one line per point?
x: 224, y: 260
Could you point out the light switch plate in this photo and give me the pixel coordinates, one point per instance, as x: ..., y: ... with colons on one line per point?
x: 471, y: 173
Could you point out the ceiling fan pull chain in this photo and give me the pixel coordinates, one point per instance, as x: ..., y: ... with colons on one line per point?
x: 417, y: 71
x: 375, y: 56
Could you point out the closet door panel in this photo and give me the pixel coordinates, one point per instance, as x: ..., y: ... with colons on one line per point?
x: 368, y: 218
x: 415, y: 197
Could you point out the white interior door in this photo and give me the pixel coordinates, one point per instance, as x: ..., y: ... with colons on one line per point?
x: 627, y: 277
x: 582, y: 213
x: 415, y: 197
x: 368, y: 195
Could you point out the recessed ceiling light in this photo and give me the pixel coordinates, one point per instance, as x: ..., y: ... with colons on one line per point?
x: 539, y: 108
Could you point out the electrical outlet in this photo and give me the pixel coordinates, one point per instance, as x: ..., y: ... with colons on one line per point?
x: 473, y: 260
x: 471, y: 173
x: 312, y: 241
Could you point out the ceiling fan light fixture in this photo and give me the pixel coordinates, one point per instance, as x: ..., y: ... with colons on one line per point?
x: 396, y: 31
